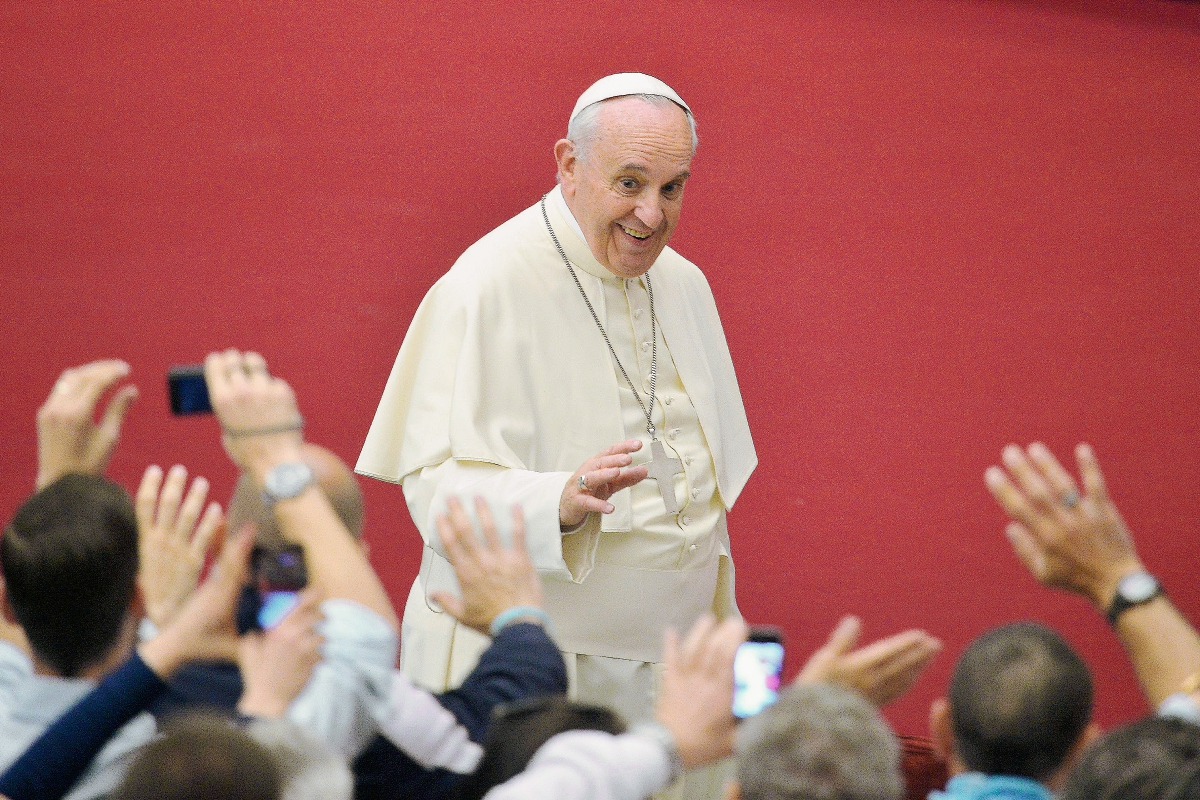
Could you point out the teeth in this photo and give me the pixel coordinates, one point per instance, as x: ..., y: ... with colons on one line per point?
x: 636, y: 234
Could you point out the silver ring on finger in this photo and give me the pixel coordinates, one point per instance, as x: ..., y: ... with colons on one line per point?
x: 583, y: 487
x: 1069, y: 499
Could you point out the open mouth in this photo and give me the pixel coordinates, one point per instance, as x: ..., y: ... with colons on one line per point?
x: 639, y: 235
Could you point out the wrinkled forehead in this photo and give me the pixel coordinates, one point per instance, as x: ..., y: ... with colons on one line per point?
x: 630, y: 127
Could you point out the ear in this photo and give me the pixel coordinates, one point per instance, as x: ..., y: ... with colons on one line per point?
x: 1086, y: 739
x: 137, y: 604
x: 564, y: 156
x: 6, y: 609
x: 941, y: 730
x: 733, y: 790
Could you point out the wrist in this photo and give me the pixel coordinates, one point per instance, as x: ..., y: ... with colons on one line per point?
x: 1104, y: 592
x: 533, y: 614
x: 161, y: 655
x: 270, y: 454
x: 261, y: 704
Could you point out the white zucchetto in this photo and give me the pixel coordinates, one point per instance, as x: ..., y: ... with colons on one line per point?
x: 625, y: 83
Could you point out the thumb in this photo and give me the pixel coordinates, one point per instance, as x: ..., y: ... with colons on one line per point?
x: 844, y: 636
x: 452, y: 605
x: 114, y: 415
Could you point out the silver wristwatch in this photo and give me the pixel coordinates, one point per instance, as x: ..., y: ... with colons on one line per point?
x: 286, y: 481
x: 1133, y: 590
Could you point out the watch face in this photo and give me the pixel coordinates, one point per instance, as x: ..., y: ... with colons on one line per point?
x: 288, y: 480
x: 1137, y: 587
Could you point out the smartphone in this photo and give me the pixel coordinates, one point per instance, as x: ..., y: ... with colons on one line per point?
x: 757, y: 671
x: 188, y: 391
x: 277, y: 577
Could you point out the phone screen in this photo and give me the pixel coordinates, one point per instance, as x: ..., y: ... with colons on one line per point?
x: 757, y: 673
x: 275, y: 606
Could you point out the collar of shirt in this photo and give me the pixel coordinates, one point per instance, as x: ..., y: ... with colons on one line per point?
x: 576, y: 247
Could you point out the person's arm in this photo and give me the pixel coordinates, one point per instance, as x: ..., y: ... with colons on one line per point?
x: 262, y: 429
x: 694, y: 711
x: 881, y: 671
x: 202, y: 629
x: 1081, y: 544
x: 69, y: 440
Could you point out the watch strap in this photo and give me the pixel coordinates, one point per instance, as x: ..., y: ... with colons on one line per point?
x: 1121, y: 603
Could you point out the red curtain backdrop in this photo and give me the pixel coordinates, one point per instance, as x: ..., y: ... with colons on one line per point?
x: 932, y: 227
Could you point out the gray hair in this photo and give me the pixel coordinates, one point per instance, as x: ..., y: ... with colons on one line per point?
x: 583, y: 128
x: 308, y: 768
x: 818, y: 742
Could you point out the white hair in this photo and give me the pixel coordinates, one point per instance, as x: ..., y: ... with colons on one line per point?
x: 582, y: 129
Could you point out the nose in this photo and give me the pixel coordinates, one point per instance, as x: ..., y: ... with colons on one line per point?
x: 649, y: 211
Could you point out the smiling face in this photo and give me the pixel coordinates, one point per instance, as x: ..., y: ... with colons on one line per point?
x: 626, y: 191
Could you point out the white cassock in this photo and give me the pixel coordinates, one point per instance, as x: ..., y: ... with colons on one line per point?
x: 504, y: 386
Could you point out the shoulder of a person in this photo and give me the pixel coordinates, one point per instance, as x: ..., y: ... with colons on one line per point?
x: 677, y: 270
x: 507, y: 251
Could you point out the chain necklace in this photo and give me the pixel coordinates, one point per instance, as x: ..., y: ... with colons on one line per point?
x: 646, y: 410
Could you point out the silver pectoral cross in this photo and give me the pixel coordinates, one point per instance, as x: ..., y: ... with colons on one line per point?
x: 663, y: 470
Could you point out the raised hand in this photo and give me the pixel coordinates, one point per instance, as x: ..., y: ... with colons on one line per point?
x: 276, y: 664
x: 695, y: 699
x: 173, y: 539
x: 204, y: 629
x: 881, y: 672
x: 260, y: 423
x: 1068, y: 541
x: 69, y: 440
x: 596, y: 480
x: 493, y: 578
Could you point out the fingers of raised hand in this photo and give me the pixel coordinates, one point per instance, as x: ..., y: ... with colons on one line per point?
x: 518, y: 529
x: 1007, y: 494
x: 193, y: 503
x: 1028, y: 549
x: 627, y: 446
x: 210, y: 523
x: 1029, y: 478
x: 1089, y: 469
x: 147, y: 496
x: 1060, y: 481
x: 488, y: 525
x: 696, y: 640
x: 170, y: 497
x: 845, y: 635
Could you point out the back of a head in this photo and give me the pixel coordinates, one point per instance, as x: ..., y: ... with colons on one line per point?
x: 201, y: 758
x: 336, y: 480
x: 308, y: 770
x: 70, y: 560
x: 519, y: 729
x: 818, y: 742
x: 1155, y: 759
x: 1020, y: 698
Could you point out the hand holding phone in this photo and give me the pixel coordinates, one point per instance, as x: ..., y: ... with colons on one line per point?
x: 757, y: 671
x: 277, y: 578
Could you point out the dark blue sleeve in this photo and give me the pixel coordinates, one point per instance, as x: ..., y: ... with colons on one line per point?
x: 52, y: 764
x: 521, y: 662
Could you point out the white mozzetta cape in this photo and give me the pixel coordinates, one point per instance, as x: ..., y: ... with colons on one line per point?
x: 503, y: 365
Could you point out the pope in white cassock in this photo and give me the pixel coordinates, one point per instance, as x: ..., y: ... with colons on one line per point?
x: 572, y: 363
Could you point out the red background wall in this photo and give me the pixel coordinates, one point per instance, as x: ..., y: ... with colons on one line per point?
x: 932, y: 227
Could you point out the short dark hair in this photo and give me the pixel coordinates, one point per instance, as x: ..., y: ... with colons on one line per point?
x: 202, y: 757
x: 519, y: 729
x: 70, y: 560
x: 1155, y: 759
x: 1020, y: 698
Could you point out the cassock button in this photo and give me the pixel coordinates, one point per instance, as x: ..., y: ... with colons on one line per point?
x: 645, y: 347
x: 687, y: 460
x: 637, y: 314
x: 695, y: 494
x: 685, y: 520
x: 666, y: 401
x: 692, y: 548
x: 673, y: 434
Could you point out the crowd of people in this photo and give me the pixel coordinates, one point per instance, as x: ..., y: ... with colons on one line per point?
x: 568, y: 447
x: 123, y: 675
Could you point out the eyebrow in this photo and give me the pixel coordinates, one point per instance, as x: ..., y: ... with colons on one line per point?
x: 639, y: 168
